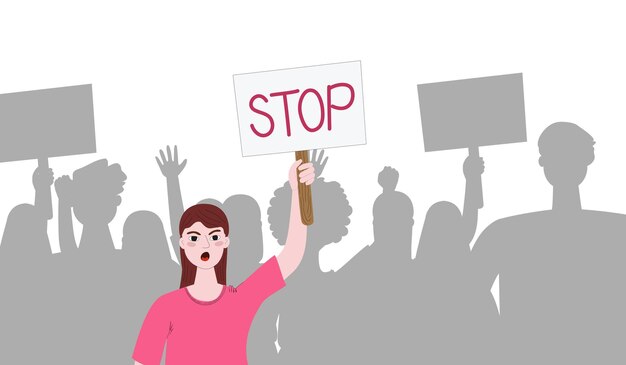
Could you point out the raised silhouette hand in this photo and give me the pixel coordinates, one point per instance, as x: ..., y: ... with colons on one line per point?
x: 42, y: 178
x: 169, y: 166
x: 319, y: 162
x: 473, y: 166
x: 63, y: 187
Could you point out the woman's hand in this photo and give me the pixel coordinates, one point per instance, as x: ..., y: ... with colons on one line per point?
x: 305, y: 172
x: 292, y: 253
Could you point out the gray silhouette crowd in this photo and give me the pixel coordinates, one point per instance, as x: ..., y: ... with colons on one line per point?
x: 559, y: 270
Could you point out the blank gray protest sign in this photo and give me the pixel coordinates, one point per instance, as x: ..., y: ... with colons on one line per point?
x: 47, y: 123
x: 473, y: 112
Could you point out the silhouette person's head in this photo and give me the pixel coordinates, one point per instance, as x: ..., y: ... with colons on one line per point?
x: 144, y: 238
x: 442, y: 239
x: 331, y: 210
x: 566, y: 150
x: 25, y: 237
x: 388, y: 179
x: 212, y: 201
x: 246, y: 236
x: 96, y: 189
x: 393, y: 216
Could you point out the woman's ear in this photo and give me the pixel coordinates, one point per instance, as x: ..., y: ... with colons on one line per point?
x: 180, y: 243
x: 226, y: 242
x: 541, y: 161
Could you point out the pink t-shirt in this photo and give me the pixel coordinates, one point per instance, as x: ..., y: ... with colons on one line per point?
x: 212, y: 332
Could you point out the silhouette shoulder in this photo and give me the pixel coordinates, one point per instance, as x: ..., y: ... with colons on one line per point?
x: 610, y: 225
x: 608, y: 217
x: 502, y: 232
x: 525, y: 219
x: 511, y: 224
x: 356, y: 265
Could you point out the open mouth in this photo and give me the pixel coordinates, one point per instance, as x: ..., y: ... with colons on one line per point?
x: 205, y: 256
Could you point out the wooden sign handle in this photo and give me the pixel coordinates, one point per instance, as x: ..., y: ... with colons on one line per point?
x: 304, y: 191
x: 473, y: 152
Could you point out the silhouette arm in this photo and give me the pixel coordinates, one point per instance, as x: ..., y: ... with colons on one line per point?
x: 170, y: 168
x: 473, y: 167
x: 42, y: 181
x: 291, y: 255
x: 67, y: 241
x: 175, y: 201
x: 470, y: 214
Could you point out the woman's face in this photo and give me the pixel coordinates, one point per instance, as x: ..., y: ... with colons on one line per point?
x: 204, y: 246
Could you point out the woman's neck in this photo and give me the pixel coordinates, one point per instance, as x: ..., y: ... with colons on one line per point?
x: 205, y: 287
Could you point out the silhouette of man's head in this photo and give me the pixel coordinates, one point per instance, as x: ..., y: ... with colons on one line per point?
x: 566, y: 150
x: 388, y: 179
x: 393, y: 213
x: 96, y: 189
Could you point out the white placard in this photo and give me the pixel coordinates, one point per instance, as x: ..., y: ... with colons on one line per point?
x: 300, y: 108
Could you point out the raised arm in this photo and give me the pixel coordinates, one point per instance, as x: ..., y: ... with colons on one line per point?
x: 42, y: 181
x: 63, y: 187
x: 473, y: 167
x: 292, y: 253
x: 170, y: 168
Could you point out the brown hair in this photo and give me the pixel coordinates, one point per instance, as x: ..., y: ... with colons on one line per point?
x: 210, y: 216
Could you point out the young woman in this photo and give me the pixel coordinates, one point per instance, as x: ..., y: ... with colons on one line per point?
x: 206, y: 321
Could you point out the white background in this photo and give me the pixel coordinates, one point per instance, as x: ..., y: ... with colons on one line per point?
x: 162, y: 74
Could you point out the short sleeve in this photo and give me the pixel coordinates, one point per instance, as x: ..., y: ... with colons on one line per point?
x: 264, y: 282
x: 152, y: 336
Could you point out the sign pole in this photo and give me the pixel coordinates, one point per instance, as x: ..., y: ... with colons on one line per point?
x: 304, y: 192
